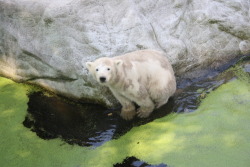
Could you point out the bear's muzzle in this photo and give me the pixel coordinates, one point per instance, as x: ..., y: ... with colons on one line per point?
x: 102, y: 79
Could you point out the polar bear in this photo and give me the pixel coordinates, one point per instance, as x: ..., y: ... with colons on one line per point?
x: 144, y: 77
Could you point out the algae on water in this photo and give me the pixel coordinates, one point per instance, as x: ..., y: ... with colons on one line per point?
x: 216, y: 134
x: 20, y: 146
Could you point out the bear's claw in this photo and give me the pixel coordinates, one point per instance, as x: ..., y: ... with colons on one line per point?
x: 143, y: 113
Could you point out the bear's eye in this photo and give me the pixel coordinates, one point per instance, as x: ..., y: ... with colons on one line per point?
x: 97, y: 69
x: 108, y: 69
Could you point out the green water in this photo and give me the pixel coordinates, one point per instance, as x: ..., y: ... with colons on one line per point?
x: 216, y: 134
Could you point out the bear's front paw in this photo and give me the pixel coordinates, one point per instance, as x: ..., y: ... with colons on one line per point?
x: 128, y: 115
x: 143, y: 113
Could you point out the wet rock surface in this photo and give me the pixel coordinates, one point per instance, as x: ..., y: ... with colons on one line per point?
x: 92, y: 125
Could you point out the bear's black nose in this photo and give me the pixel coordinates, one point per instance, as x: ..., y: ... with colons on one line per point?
x: 102, y: 79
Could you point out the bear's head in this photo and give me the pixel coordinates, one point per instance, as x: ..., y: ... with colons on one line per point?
x: 104, y: 70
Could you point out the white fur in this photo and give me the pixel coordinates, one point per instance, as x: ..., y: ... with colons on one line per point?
x: 144, y: 77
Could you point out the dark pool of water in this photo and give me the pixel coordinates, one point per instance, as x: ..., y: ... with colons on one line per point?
x: 86, y: 125
x: 92, y: 125
x: 134, y: 162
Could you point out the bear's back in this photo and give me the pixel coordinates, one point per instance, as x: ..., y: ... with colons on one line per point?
x: 146, y: 58
x: 141, y: 55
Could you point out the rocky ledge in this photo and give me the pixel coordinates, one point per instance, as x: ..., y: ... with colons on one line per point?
x: 47, y: 42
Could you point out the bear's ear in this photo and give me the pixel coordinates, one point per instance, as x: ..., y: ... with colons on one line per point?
x: 118, y: 62
x: 89, y: 65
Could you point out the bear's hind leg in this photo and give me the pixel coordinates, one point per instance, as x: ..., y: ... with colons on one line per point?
x: 161, y: 102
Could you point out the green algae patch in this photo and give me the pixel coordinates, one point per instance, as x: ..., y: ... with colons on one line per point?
x: 19, y: 145
x: 217, y: 134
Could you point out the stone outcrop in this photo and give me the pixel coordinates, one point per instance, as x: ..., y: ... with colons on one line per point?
x: 46, y: 42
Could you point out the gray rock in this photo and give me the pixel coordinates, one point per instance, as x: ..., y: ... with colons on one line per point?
x: 47, y: 42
